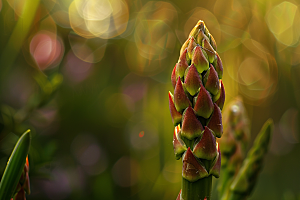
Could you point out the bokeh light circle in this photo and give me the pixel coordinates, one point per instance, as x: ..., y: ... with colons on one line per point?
x: 154, y: 38
x: 142, y: 122
x: 288, y: 125
x: 89, y: 154
x: 46, y: 49
x: 255, y: 78
x: 89, y: 50
x: 104, y: 19
x: 75, y: 69
x: 283, y: 21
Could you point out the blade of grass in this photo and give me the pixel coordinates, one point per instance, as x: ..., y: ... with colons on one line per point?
x: 14, y: 167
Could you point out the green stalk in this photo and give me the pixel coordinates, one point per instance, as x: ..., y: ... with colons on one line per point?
x: 14, y: 167
x: 188, y: 143
x: 198, y: 190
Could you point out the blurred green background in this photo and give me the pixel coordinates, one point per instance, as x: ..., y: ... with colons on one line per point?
x: 106, y: 131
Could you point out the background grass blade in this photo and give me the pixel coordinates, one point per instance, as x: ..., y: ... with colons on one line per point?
x: 15, y: 167
x: 245, y: 180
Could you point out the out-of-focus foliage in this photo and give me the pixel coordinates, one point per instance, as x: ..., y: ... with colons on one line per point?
x: 105, y: 132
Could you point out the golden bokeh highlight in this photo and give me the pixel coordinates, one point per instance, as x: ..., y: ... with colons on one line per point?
x: 142, y: 65
x: 61, y: 18
x: 104, y: 19
x: 154, y: 38
x: 289, y: 54
x: 257, y: 22
x: 254, y: 71
x: 254, y: 77
x: 232, y: 37
x: 283, y: 21
x: 89, y: 50
x: 153, y: 35
x: 231, y: 13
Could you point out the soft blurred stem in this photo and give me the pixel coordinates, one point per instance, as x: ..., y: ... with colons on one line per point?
x: 198, y: 190
x: 234, y: 143
x: 18, y: 36
x: 14, y: 167
x: 246, y: 178
x: 226, y: 180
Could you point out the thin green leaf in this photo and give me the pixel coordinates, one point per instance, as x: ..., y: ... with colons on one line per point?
x: 14, y: 167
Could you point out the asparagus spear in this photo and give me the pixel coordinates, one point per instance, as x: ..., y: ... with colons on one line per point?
x: 234, y: 142
x: 195, y: 107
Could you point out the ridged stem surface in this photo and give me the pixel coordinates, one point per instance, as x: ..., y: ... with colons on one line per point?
x: 198, y: 190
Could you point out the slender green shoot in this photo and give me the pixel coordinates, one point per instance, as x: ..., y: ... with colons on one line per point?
x: 14, y: 167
